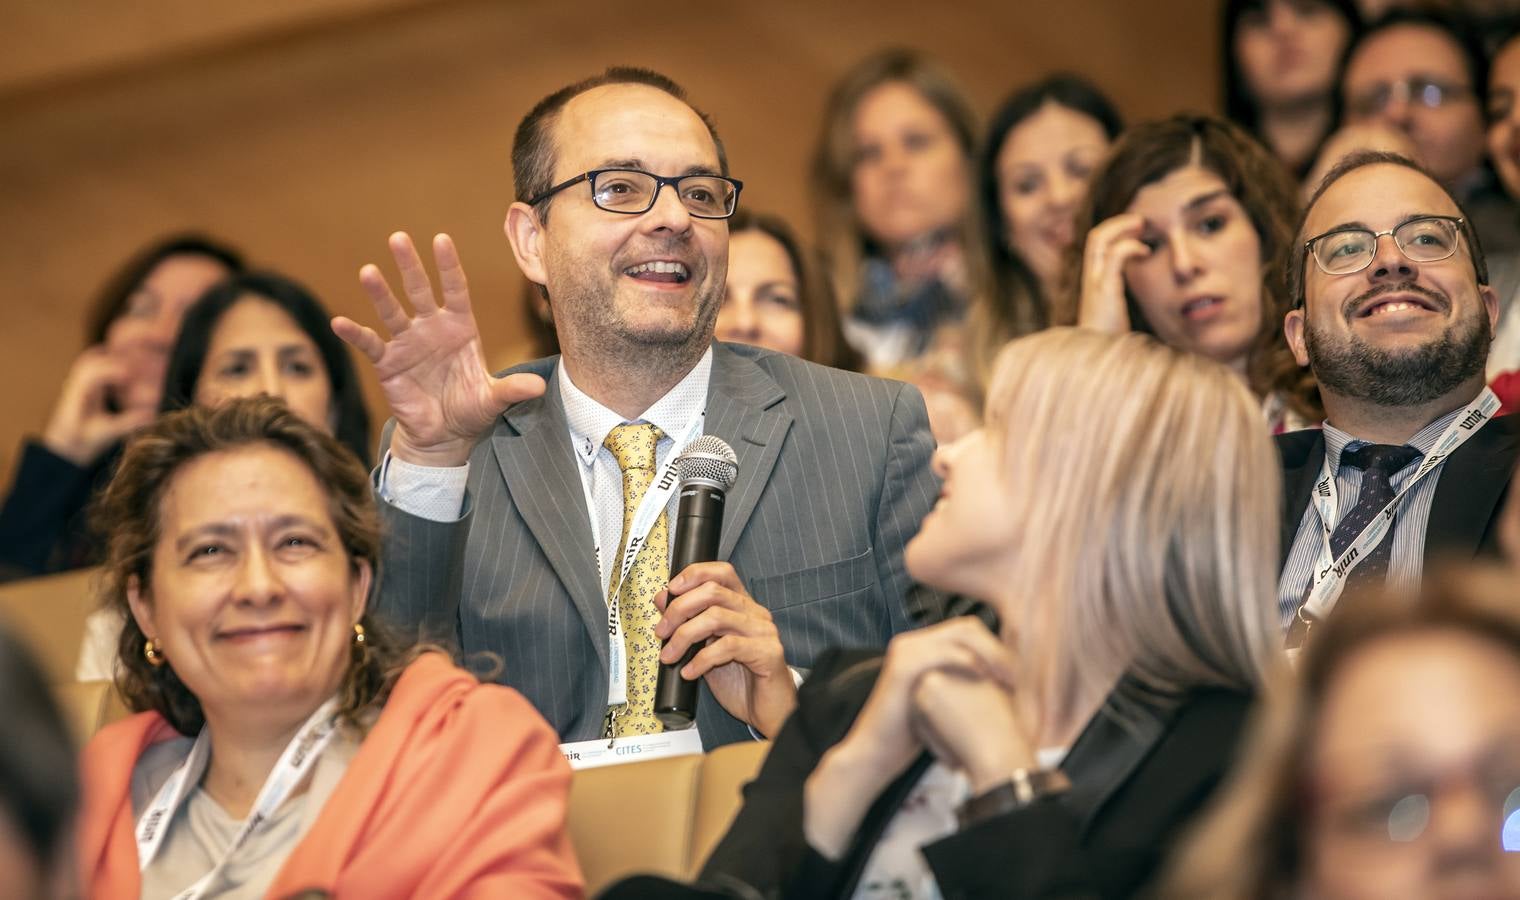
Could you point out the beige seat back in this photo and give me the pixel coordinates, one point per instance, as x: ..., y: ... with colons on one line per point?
x: 88, y: 706
x: 725, y: 772
x: 634, y: 818
x: 49, y: 613
x: 661, y: 817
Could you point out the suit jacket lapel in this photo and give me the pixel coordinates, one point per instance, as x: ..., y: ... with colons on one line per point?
x: 1114, y: 742
x: 1467, y: 497
x: 740, y: 409
x: 538, y: 464
x: 1300, y: 469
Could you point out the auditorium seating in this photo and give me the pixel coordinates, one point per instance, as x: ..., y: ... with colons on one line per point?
x: 661, y: 817
x: 88, y: 705
x: 49, y: 613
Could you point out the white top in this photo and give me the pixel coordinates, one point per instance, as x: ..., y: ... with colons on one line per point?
x: 200, y: 830
x: 897, y: 869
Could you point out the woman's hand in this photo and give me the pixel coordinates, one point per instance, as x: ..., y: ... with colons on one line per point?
x: 883, y: 742
x: 1110, y: 246
x: 971, y: 724
x: 82, y: 425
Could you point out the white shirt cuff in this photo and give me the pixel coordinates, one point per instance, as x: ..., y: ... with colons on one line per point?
x: 427, y: 492
x: 797, y: 679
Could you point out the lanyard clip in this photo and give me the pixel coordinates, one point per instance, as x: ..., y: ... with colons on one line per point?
x: 1298, y: 632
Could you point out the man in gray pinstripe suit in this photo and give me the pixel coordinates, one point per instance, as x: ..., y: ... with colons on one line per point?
x: 496, y: 489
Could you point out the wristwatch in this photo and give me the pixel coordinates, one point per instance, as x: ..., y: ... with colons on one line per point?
x: 1022, y: 788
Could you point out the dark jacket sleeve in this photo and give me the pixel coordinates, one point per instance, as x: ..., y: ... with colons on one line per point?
x: 765, y: 847
x: 44, y: 512
x: 1051, y: 850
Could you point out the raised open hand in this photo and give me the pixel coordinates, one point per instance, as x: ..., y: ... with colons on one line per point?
x: 432, y: 369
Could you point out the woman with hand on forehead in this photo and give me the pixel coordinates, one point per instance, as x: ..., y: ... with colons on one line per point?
x: 1178, y: 239
x: 283, y: 742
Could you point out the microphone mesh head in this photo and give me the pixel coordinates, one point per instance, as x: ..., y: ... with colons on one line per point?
x: 708, y: 458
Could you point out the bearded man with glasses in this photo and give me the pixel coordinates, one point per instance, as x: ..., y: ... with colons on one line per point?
x: 515, y: 504
x: 1394, y: 314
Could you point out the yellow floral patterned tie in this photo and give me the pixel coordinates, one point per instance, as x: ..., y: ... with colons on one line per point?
x: 633, y: 448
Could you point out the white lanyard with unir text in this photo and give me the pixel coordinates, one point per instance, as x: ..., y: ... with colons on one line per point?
x: 297, y: 760
x: 654, y: 502
x: 1331, y: 572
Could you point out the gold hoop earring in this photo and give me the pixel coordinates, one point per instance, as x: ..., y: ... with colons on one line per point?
x: 154, y: 653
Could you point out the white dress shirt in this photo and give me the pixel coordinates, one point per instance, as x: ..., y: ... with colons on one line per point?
x: 437, y: 493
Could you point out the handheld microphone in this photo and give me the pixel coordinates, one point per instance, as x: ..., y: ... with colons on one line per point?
x: 707, y: 468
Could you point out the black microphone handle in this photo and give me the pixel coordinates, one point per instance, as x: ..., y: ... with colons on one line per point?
x: 699, y: 523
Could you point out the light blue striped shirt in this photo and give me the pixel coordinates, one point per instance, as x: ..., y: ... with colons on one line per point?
x: 1407, y: 558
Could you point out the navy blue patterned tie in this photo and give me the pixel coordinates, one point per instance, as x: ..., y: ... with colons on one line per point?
x: 1379, y: 463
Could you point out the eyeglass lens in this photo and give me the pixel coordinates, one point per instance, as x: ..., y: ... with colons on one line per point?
x: 1422, y: 240
x: 1418, y: 91
x: 708, y: 196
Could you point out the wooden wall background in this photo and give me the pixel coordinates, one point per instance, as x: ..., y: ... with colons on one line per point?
x: 307, y: 130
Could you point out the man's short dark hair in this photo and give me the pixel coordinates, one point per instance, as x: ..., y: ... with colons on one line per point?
x: 1469, y: 45
x: 1297, y: 260
x: 533, y: 150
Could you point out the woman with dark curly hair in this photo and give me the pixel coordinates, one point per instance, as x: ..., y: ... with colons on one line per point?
x: 283, y: 741
x: 1179, y: 238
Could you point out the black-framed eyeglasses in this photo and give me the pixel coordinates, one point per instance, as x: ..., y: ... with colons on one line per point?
x: 633, y: 192
x: 1348, y: 250
x: 1430, y: 93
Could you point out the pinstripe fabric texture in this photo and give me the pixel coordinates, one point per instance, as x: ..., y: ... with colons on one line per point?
x: 833, y: 480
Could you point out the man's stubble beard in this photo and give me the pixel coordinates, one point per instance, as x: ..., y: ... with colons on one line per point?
x: 1412, y: 377
x: 597, y: 335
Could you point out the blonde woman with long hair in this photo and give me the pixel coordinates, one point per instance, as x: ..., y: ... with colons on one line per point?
x: 1127, y: 543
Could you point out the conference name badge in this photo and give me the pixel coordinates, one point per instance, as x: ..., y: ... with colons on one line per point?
x: 637, y: 748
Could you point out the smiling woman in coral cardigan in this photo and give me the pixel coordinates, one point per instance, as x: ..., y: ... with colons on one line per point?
x: 282, y: 743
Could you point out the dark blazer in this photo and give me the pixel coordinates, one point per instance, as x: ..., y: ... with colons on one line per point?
x: 833, y: 480
x: 1141, y: 767
x: 1465, y: 510
x: 44, y: 525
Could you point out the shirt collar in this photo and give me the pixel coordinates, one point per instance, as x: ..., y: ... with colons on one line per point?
x: 1338, y: 442
x: 590, y: 422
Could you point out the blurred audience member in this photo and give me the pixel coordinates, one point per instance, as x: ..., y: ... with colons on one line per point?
x: 1178, y: 238
x: 1349, y: 139
x: 1426, y: 75
x: 1411, y: 464
x: 1063, y: 753
x: 112, y: 388
x: 255, y: 333
x: 283, y: 742
x: 776, y: 298
x: 892, y: 180
x: 1042, y: 147
x: 1279, y: 74
x: 264, y: 333
x: 1389, y: 768
x: 1504, y: 151
x: 37, y: 782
